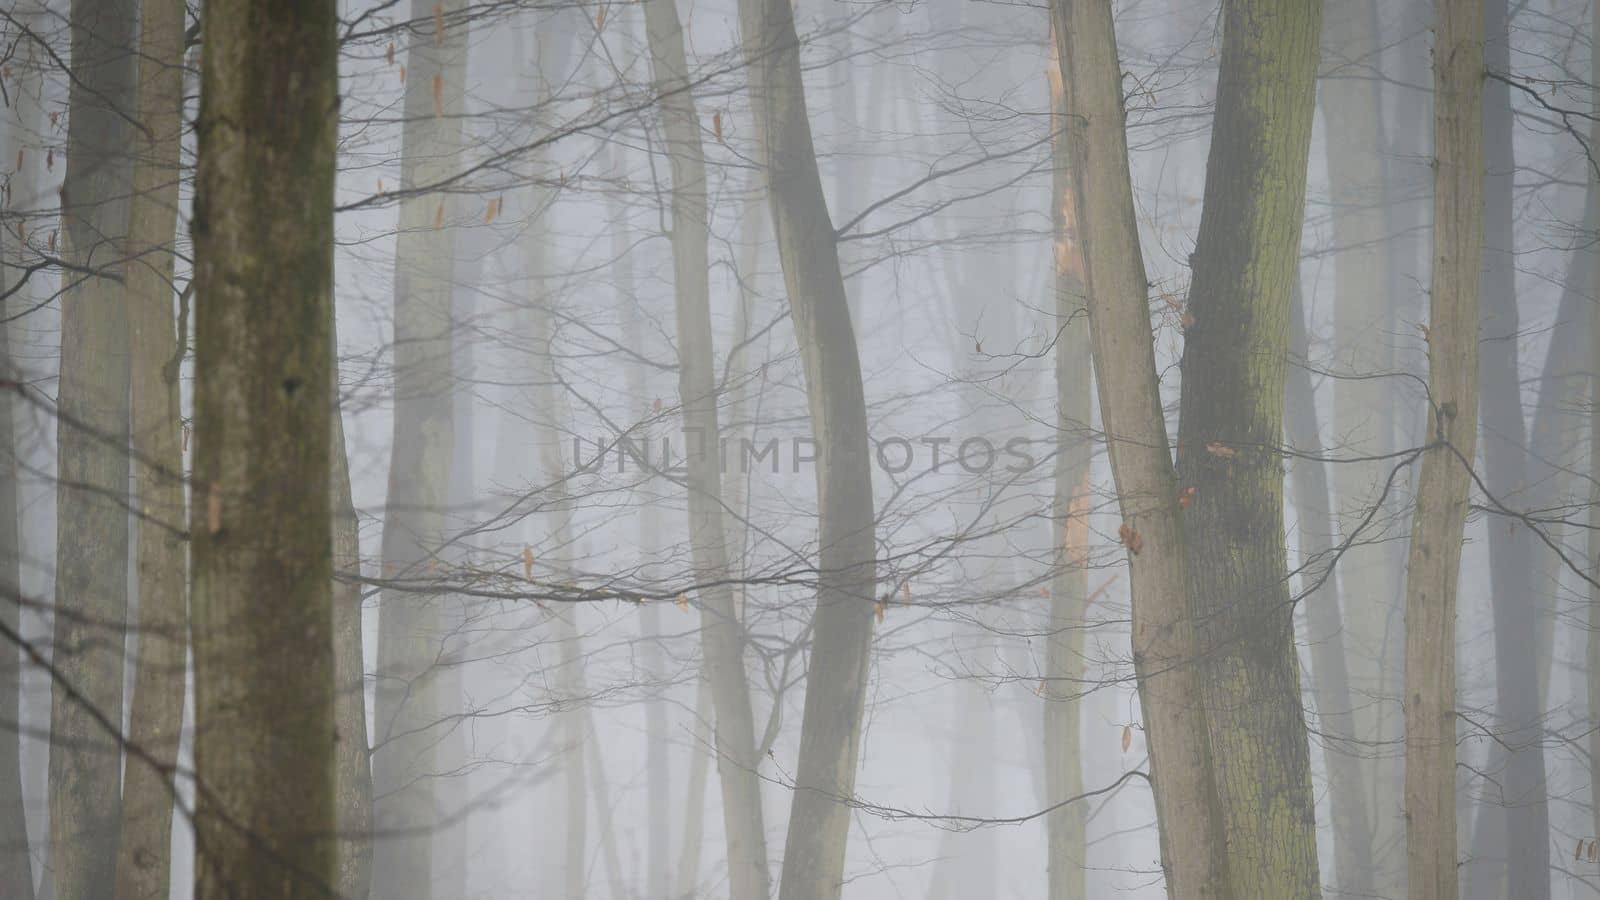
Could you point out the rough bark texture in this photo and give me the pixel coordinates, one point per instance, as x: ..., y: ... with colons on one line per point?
x: 92, y: 457
x: 1245, y: 263
x: 1352, y: 109
x: 1442, y: 487
x: 262, y: 555
x: 836, y: 683
x: 722, y: 634
x: 406, y: 725
x: 1141, y: 463
x: 145, y: 855
x: 1330, y: 679
x: 1063, y: 739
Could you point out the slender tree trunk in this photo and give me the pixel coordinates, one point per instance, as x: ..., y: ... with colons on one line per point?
x: 686, y: 881
x: 1330, y: 682
x: 1442, y: 487
x: 353, y: 778
x: 1117, y: 292
x: 1246, y: 263
x: 1064, y: 672
x: 92, y: 454
x: 830, y: 734
x: 1592, y: 644
x: 410, y: 621
x: 262, y: 549
x: 145, y: 855
x: 1518, y: 810
x: 1352, y: 111
x: 722, y: 634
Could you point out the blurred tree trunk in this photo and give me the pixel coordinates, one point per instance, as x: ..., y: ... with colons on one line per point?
x: 1352, y: 112
x: 685, y: 883
x: 353, y: 778
x: 1592, y: 282
x: 92, y: 456
x: 722, y: 634
x: 1064, y: 672
x: 410, y: 621
x: 1117, y: 292
x: 830, y: 735
x: 1514, y: 818
x: 1319, y: 574
x: 145, y: 855
x: 1246, y: 264
x: 262, y: 545
x: 1443, y: 485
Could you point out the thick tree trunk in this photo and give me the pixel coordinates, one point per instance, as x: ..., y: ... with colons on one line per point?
x: 410, y: 621
x: 1330, y: 681
x: 1518, y: 812
x: 145, y: 855
x: 1352, y: 111
x: 262, y: 551
x: 92, y: 457
x: 722, y: 634
x: 1442, y: 487
x: 1192, y: 849
x: 830, y: 736
x: 1064, y: 672
x: 1246, y: 264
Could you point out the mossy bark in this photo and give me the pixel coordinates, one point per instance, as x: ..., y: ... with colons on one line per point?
x: 262, y: 622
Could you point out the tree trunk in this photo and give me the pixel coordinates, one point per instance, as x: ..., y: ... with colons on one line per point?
x: 262, y: 551
x: 1068, y: 624
x: 410, y: 621
x: 830, y: 731
x: 1442, y: 487
x: 1352, y: 112
x: 145, y: 855
x: 1330, y: 682
x: 722, y: 634
x: 92, y: 454
x: 1117, y: 292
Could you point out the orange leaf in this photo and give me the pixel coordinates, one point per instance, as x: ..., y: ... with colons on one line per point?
x: 880, y: 612
x: 402, y: 74
x: 390, y: 54
x: 905, y: 594
x: 683, y: 602
x: 1127, y: 737
x: 438, y: 96
x: 1187, y: 497
x: 52, y: 241
x: 1131, y: 539
x: 600, y: 18
x: 438, y: 215
x: 492, y: 211
x: 214, y: 509
x: 657, y: 406
x: 716, y: 125
x: 1221, y: 450
x: 438, y: 23
x: 527, y: 563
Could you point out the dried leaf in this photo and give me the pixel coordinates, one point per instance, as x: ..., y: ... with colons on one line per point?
x: 438, y: 96
x: 1040, y: 689
x: 214, y: 509
x: 880, y: 612
x: 905, y: 594
x: 600, y: 18
x: 380, y: 185
x: 402, y: 74
x: 390, y: 54
x: 1578, y: 853
x: 527, y: 563
x: 1186, y: 498
x: 49, y: 159
x: 52, y: 241
x: 1130, y: 538
x: 683, y: 602
x: 493, y: 210
x: 716, y: 125
x: 1187, y: 320
x: 1594, y: 849
x: 438, y: 23
x: 438, y: 215
x: 1221, y: 450
x: 1127, y: 737
x: 657, y: 405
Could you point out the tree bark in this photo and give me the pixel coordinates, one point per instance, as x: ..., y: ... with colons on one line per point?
x: 722, y: 634
x: 145, y: 856
x: 92, y: 457
x: 262, y: 551
x: 1117, y: 291
x: 1442, y: 487
x: 410, y: 623
x: 1245, y: 263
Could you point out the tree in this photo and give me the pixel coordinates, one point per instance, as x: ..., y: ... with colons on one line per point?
x: 1441, y: 504
x: 262, y: 550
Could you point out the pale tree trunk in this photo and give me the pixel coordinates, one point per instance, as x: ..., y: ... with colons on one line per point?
x: 830, y: 730
x: 410, y: 622
x: 722, y: 634
x: 1443, y: 485
x: 685, y: 883
x: 1330, y: 679
x: 1117, y: 292
x: 1592, y: 644
x: 16, y: 868
x: 1513, y: 819
x: 92, y: 457
x: 145, y: 855
x: 1352, y: 111
x: 353, y: 778
x: 262, y: 549
x: 1068, y: 623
